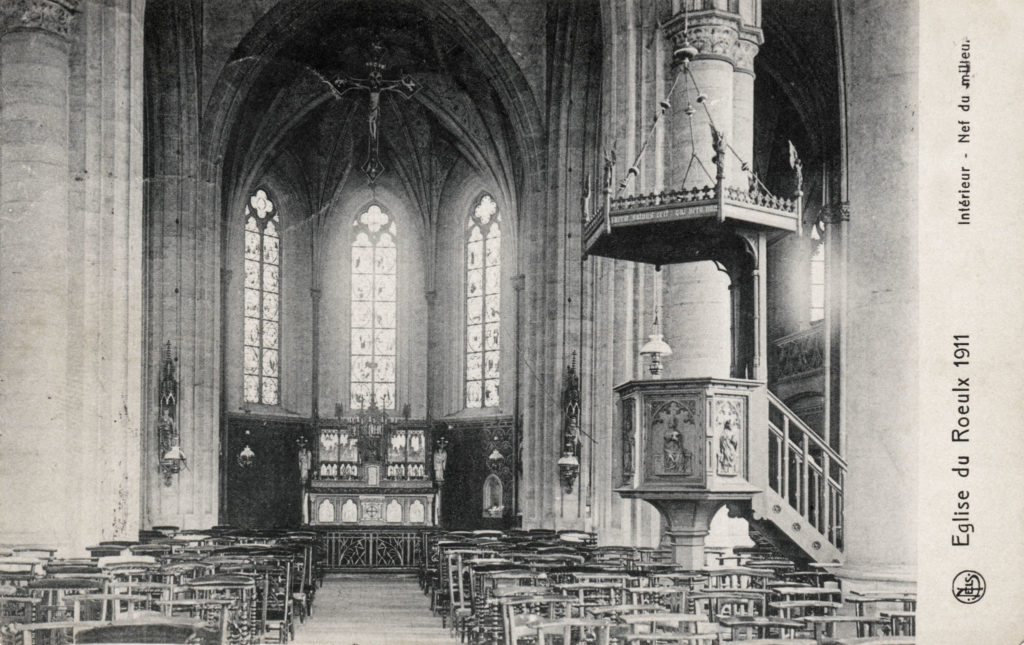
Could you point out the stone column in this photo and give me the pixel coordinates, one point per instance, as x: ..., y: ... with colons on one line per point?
x: 183, y: 277
x: 742, y: 140
x: 718, y: 88
x: 879, y: 412
x: 34, y: 46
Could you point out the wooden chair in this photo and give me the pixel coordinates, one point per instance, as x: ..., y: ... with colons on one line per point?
x: 108, y: 606
x: 823, y: 627
x: 802, y: 608
x: 276, y: 599
x: 652, y: 622
x: 617, y: 612
x: 671, y: 598
x: 522, y: 614
x: 715, y: 602
x: 49, y: 632
x: 17, y: 571
x: 241, y: 613
x: 40, y: 552
x: 52, y: 593
x: 18, y: 609
x: 211, y: 612
x: 737, y: 578
x: 459, y: 602
x: 901, y: 623
x: 746, y: 627
x: 573, y: 630
x: 879, y: 601
x: 135, y: 631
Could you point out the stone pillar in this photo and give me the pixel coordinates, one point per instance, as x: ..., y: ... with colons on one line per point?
x: 698, y: 314
x: 70, y: 271
x: 183, y: 274
x: 743, y: 106
x: 879, y: 412
x: 34, y: 45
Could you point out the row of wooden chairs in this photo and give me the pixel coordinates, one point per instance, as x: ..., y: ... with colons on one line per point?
x: 221, y: 586
x: 498, y: 588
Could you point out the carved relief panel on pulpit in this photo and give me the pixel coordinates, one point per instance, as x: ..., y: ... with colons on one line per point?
x: 675, y: 439
x: 729, y: 417
x: 628, y: 440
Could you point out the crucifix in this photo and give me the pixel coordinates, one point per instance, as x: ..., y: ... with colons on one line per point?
x: 376, y: 85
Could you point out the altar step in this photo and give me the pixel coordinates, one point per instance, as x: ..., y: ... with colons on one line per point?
x: 371, y: 609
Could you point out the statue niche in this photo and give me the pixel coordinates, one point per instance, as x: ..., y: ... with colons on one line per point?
x: 676, y: 437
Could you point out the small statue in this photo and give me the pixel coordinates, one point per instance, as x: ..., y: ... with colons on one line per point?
x: 440, y: 458
x: 305, y: 460
x: 728, y: 449
x: 798, y: 169
x: 719, y: 144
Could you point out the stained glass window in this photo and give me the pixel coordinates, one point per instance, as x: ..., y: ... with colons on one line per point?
x: 483, y: 304
x: 374, y: 263
x: 817, y: 276
x: 262, y: 298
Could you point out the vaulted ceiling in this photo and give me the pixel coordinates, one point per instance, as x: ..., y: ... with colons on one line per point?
x: 293, y: 125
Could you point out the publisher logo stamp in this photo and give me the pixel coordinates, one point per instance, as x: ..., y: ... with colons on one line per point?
x: 968, y: 586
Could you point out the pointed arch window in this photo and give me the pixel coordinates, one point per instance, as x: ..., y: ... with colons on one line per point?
x: 483, y: 304
x: 374, y: 311
x: 817, y: 268
x: 262, y: 301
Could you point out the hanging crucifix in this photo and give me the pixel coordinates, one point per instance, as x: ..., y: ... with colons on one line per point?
x: 376, y: 85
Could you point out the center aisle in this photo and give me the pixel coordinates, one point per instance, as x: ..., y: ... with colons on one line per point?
x: 371, y: 609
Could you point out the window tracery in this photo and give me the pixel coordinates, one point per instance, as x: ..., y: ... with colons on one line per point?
x: 262, y: 301
x: 817, y: 269
x: 374, y: 310
x: 483, y: 305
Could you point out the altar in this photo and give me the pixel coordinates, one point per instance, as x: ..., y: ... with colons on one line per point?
x: 371, y: 471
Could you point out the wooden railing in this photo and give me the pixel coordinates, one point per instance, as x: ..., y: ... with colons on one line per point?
x: 370, y: 548
x: 805, y: 471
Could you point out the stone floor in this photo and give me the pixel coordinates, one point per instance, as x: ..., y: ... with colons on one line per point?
x: 372, y: 609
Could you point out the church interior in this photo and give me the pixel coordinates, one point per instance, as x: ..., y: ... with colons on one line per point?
x: 549, y: 321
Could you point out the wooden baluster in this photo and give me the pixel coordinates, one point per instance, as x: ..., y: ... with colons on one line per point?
x: 785, y: 458
x: 826, y: 493
x: 805, y: 483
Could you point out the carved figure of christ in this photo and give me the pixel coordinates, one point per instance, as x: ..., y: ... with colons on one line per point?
x: 375, y: 85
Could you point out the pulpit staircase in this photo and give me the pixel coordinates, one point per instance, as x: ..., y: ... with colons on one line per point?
x: 800, y: 511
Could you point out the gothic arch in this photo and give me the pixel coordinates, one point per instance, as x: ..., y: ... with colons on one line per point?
x: 285, y: 20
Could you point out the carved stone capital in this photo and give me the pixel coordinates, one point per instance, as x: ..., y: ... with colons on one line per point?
x: 716, y: 34
x: 836, y: 213
x: 743, y: 55
x: 54, y: 16
x: 713, y: 38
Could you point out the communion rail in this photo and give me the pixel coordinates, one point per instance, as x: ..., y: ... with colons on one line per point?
x: 373, y: 548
